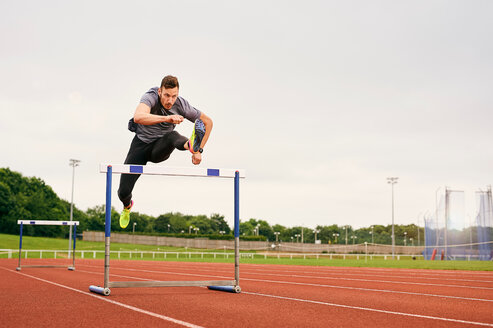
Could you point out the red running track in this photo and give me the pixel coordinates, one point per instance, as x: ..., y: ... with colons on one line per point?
x: 272, y: 296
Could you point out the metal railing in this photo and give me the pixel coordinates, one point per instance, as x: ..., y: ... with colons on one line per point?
x: 156, y: 255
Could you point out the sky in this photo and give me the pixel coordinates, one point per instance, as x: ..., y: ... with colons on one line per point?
x: 319, y: 101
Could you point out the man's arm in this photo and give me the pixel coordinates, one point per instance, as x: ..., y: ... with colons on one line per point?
x: 197, y: 157
x: 143, y: 116
x: 208, y: 127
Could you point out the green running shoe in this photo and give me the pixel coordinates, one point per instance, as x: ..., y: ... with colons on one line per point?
x: 125, y: 216
x: 197, y: 136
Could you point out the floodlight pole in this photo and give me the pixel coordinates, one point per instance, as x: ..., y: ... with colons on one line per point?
x: 73, y: 163
x: 447, y: 213
x: 392, y: 181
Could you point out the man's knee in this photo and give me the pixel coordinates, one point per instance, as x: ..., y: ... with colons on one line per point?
x: 160, y: 158
x: 125, y: 196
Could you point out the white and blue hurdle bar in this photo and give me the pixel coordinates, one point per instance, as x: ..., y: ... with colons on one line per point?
x: 221, y: 285
x: 73, y: 224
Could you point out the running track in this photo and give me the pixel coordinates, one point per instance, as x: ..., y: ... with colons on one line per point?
x: 272, y: 296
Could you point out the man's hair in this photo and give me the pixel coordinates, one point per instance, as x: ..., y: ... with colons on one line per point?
x: 170, y: 82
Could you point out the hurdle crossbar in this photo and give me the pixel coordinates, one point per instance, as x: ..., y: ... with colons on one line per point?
x: 73, y: 224
x: 172, y: 171
x: 223, y: 285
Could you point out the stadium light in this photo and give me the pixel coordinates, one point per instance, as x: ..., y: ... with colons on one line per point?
x: 73, y: 163
x: 353, y: 238
x: 393, y: 181
x: 316, y: 232
x: 277, y: 233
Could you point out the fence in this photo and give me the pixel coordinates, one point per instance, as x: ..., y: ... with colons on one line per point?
x: 156, y: 255
x: 202, y: 243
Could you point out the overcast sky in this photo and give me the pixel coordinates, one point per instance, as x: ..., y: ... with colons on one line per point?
x: 319, y: 101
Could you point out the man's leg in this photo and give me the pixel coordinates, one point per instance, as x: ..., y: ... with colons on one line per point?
x: 163, y: 148
x: 137, y: 154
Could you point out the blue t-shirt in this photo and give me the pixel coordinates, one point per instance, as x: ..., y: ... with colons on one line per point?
x: 150, y: 133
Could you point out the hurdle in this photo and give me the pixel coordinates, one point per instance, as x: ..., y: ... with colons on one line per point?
x: 232, y: 286
x: 73, y: 224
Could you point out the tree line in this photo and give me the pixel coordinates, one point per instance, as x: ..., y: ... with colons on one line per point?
x: 29, y: 198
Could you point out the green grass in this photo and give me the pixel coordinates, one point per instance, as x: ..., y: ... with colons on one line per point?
x: 12, y: 242
x: 188, y: 255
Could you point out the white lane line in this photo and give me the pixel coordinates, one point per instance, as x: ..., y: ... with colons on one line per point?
x: 344, y: 279
x: 432, y: 272
x: 250, y: 271
x: 302, y: 284
x: 372, y: 280
x: 372, y: 310
x: 371, y: 290
x: 377, y: 275
x: 102, y: 298
x: 362, y: 270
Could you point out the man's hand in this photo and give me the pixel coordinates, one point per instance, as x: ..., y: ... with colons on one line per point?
x: 196, y: 158
x: 175, y: 119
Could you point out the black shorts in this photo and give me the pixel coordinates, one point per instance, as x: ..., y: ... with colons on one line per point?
x: 140, y: 153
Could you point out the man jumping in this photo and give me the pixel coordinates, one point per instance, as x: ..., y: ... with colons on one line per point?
x: 154, y: 121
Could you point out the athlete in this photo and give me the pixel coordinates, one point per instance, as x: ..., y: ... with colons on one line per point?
x: 154, y: 121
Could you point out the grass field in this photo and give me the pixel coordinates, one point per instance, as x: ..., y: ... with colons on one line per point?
x: 207, y: 255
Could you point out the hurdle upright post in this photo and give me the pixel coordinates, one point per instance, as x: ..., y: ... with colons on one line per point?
x: 20, y: 247
x: 107, y: 228
x: 237, y: 228
x: 73, y: 249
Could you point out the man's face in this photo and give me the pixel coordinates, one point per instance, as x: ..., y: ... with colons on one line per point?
x: 168, y: 97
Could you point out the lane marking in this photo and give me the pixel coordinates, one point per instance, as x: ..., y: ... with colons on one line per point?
x: 372, y: 310
x: 380, y: 275
x: 299, y: 284
x: 330, y: 278
x: 441, y: 272
x: 369, y: 289
x: 347, y: 274
x: 102, y: 298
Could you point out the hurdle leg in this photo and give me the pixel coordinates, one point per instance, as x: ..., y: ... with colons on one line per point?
x: 72, y: 268
x: 107, y: 229
x: 20, y: 248
x: 237, y: 231
x: 236, y: 288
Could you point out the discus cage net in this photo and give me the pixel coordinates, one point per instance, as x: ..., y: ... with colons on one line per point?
x: 449, y: 235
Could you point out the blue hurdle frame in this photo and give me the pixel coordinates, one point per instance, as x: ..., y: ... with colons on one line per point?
x: 221, y: 285
x: 47, y: 222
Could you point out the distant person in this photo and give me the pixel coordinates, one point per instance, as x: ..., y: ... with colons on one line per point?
x: 154, y: 121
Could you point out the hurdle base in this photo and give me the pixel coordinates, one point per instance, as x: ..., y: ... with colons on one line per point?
x: 186, y: 283
x: 71, y: 268
x: 18, y: 268
x: 43, y: 266
x: 100, y: 290
x: 229, y: 289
